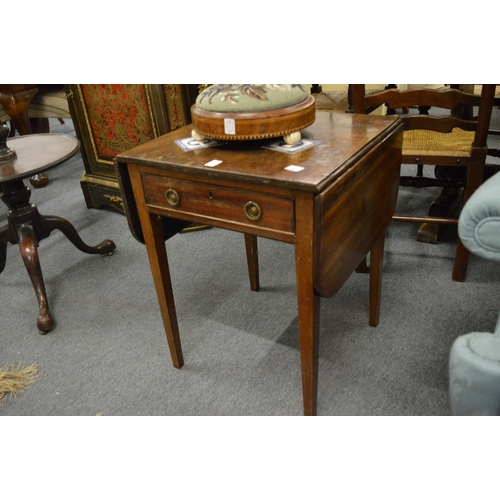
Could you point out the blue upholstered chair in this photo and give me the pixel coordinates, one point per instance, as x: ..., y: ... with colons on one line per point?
x: 475, y: 357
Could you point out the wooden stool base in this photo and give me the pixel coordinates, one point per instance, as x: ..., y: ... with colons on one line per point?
x: 252, y: 126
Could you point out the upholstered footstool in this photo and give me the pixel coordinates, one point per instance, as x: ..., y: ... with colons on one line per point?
x: 252, y: 111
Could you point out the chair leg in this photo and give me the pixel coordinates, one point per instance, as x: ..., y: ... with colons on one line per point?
x: 461, y: 262
x: 475, y: 177
x: 442, y: 206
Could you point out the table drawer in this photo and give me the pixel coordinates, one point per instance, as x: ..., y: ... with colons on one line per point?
x: 222, y: 203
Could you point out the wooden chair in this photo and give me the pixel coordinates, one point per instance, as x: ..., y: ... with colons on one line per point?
x: 340, y: 100
x: 446, y: 140
x: 494, y: 152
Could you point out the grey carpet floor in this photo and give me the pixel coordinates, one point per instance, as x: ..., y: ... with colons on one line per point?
x: 108, y: 353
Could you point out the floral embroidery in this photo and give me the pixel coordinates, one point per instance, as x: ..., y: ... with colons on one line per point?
x: 231, y: 91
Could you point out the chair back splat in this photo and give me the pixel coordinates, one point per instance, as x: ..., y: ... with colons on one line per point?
x: 445, y: 134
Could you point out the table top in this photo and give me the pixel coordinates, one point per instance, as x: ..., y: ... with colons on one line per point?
x: 343, y: 139
x: 36, y: 153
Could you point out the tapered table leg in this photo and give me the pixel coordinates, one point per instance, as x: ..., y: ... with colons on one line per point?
x: 157, y: 253
x: 154, y: 239
x: 376, y: 264
x: 252, y: 261
x: 308, y: 303
x: 309, y: 313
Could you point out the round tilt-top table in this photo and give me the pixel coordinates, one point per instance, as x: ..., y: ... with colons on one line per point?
x: 21, y: 158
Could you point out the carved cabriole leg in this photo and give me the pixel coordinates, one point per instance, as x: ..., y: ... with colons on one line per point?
x: 308, y: 300
x: 50, y: 222
x: 157, y: 254
x: 29, y: 252
x: 23, y: 217
x: 27, y: 228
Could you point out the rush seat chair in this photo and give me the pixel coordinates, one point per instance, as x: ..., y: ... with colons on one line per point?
x: 446, y: 140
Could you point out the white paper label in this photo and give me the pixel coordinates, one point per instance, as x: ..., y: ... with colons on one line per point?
x: 294, y: 168
x: 213, y: 163
x: 229, y: 126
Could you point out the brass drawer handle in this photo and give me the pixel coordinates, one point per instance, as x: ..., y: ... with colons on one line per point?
x: 173, y: 197
x: 252, y: 210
